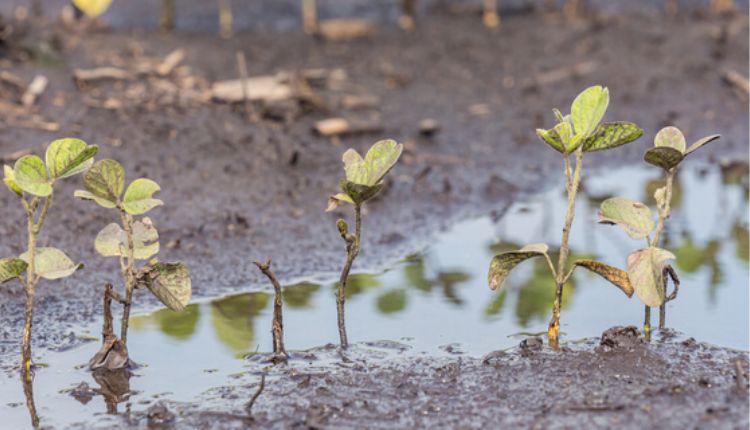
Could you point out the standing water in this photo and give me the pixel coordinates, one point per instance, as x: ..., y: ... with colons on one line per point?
x: 437, y: 301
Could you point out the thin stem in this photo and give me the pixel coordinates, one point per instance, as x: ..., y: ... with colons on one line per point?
x: 352, y: 250
x: 30, y: 287
x: 107, y: 325
x: 573, y: 181
x: 647, y: 323
x: 277, y: 326
x: 28, y: 392
x: 43, y: 214
x: 128, y: 275
x: 663, y: 215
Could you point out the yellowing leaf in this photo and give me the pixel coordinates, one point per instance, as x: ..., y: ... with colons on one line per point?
x: 379, y: 160
x: 51, y: 263
x: 31, y: 176
x: 169, y: 282
x: 700, y: 142
x: 138, y: 197
x: 10, y: 180
x: 11, y: 268
x: 670, y: 137
x: 92, y: 8
x: 645, y: 268
x: 551, y: 138
x: 618, y: 277
x: 68, y: 157
x: 588, y: 109
x: 333, y: 201
x: 83, y: 194
x: 633, y: 216
x: 611, y: 135
x: 106, y: 180
x: 112, y: 241
x: 665, y: 157
x: 502, y: 264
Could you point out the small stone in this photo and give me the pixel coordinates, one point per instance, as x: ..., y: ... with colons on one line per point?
x: 428, y: 127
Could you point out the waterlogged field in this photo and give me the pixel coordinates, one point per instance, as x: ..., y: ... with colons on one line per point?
x: 437, y: 301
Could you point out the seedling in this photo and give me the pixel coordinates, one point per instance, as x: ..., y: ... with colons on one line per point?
x: 130, y: 241
x: 647, y: 267
x: 34, y: 181
x: 277, y: 326
x: 575, y: 134
x: 364, y: 180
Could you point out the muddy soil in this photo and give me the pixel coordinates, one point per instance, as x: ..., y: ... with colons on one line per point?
x: 237, y: 191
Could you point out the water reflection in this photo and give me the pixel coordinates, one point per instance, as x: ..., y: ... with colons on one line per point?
x: 233, y: 319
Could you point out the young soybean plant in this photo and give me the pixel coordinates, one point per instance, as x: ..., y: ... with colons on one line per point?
x: 130, y: 241
x: 647, y: 267
x: 364, y: 180
x: 575, y: 134
x: 33, y: 181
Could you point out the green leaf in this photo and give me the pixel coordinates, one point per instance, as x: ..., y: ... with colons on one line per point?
x: 611, y: 135
x: 10, y: 180
x: 31, y: 176
x: 633, y: 216
x: 588, y: 109
x: 663, y: 156
x: 700, y: 142
x: 85, y: 195
x: 112, y: 241
x: 645, y: 268
x: 359, y: 193
x: 11, y: 268
x: 333, y: 201
x: 618, y: 277
x: 138, y: 198
x: 68, y: 157
x: 670, y: 137
x: 379, y: 160
x: 502, y: 264
x: 106, y: 180
x: 551, y: 138
x: 51, y: 263
x: 169, y: 282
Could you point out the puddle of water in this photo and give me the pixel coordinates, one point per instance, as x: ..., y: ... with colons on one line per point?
x: 438, y: 302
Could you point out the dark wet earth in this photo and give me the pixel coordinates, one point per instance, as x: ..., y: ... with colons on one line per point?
x: 236, y: 192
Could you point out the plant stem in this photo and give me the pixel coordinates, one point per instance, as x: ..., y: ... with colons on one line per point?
x: 647, y: 323
x: 352, y: 250
x: 128, y: 276
x: 28, y: 392
x: 573, y: 181
x: 663, y: 215
x: 277, y: 327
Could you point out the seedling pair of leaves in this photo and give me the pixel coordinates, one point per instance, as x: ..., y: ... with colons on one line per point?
x: 647, y: 267
x: 364, y: 180
x: 577, y: 133
x: 134, y: 239
x: 33, y: 181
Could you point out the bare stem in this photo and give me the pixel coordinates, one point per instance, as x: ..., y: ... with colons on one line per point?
x: 277, y: 327
x: 352, y: 250
x: 261, y: 386
x: 128, y: 275
x: 166, y: 20
x: 573, y: 181
x: 647, y: 323
x: 663, y: 215
x: 28, y: 391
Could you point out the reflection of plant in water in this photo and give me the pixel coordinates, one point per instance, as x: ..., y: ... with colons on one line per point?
x: 577, y: 133
x: 233, y: 318
x: 298, y: 296
x: 364, y: 180
x: 391, y: 301
x: 496, y: 304
x: 180, y: 326
x: 740, y: 234
x: 535, y: 294
x: 360, y: 283
x: 447, y: 281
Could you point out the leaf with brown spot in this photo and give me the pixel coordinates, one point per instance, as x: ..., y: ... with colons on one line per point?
x: 664, y: 157
x: 618, y: 277
x: 502, y: 264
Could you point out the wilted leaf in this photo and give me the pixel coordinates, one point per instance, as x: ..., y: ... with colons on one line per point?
x: 502, y: 264
x: 31, y: 176
x: 333, y: 201
x: 68, y: 157
x: 633, y: 216
x: 618, y: 277
x: 588, y: 109
x: 645, y: 272
x: 611, y: 135
x: 138, y: 197
x: 11, y: 268
x: 700, y: 142
x: 379, y: 160
x: 83, y: 194
x: 169, y: 282
x: 92, y: 8
x: 670, y: 137
x: 112, y: 241
x: 10, y: 180
x: 551, y: 138
x: 51, y: 263
x: 663, y: 156
x: 106, y: 180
